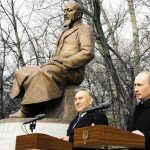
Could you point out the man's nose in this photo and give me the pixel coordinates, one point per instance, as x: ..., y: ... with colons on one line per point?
x: 77, y: 101
x: 65, y: 12
x: 135, y: 88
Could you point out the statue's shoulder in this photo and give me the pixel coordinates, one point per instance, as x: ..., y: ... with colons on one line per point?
x: 84, y: 26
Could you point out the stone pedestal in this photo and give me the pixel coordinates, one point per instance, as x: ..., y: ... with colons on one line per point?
x: 63, y: 108
x: 59, y: 112
x: 12, y: 127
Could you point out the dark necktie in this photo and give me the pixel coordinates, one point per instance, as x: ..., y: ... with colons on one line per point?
x: 139, y: 105
x: 76, y: 122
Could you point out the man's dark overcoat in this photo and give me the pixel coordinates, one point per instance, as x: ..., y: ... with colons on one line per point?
x: 141, y: 121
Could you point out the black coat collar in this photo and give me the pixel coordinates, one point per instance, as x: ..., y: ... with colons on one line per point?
x: 146, y: 103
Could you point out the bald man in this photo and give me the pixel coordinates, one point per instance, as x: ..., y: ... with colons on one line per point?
x: 140, y: 121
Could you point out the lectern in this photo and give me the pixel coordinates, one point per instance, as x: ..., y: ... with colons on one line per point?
x: 107, y: 136
x: 42, y: 142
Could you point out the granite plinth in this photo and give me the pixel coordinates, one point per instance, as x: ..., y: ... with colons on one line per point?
x: 12, y: 127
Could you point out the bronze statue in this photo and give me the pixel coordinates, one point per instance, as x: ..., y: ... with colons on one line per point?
x: 46, y: 82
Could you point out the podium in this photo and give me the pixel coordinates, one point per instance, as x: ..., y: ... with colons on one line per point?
x: 101, y: 135
x: 41, y: 141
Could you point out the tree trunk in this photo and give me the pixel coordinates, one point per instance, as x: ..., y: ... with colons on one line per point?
x: 135, y: 37
x: 21, y: 60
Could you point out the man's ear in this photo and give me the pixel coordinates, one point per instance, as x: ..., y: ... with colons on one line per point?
x: 80, y: 14
x: 91, y: 100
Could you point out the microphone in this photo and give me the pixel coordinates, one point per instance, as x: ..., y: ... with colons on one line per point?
x: 38, y: 117
x: 104, y: 105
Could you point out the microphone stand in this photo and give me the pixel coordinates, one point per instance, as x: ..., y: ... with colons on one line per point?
x: 32, y: 125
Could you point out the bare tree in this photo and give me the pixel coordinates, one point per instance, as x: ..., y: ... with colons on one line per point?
x: 114, y: 68
x: 29, y: 37
x: 136, y: 46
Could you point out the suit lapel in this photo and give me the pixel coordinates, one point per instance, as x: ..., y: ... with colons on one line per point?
x: 83, y: 120
x: 68, y: 32
x: 64, y: 35
x: 137, y: 112
x: 71, y: 125
x: 61, y: 36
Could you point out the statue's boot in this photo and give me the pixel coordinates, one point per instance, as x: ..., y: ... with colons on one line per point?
x: 21, y: 113
x: 28, y: 111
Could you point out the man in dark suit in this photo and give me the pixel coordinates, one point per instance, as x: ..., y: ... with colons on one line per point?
x: 83, y: 101
x: 140, y: 121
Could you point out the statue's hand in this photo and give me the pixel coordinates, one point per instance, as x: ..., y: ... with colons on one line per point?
x: 50, y: 62
x: 43, y: 65
x: 59, y: 59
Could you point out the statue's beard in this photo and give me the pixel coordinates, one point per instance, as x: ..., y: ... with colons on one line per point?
x: 67, y: 22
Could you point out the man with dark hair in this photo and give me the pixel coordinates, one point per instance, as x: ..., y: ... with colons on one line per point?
x: 40, y: 84
x: 140, y: 121
x: 82, y: 102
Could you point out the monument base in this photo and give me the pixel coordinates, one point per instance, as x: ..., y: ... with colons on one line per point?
x: 11, y: 128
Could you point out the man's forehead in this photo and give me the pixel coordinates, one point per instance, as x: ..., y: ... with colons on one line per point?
x: 141, y: 78
x: 81, y: 93
x: 70, y: 5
